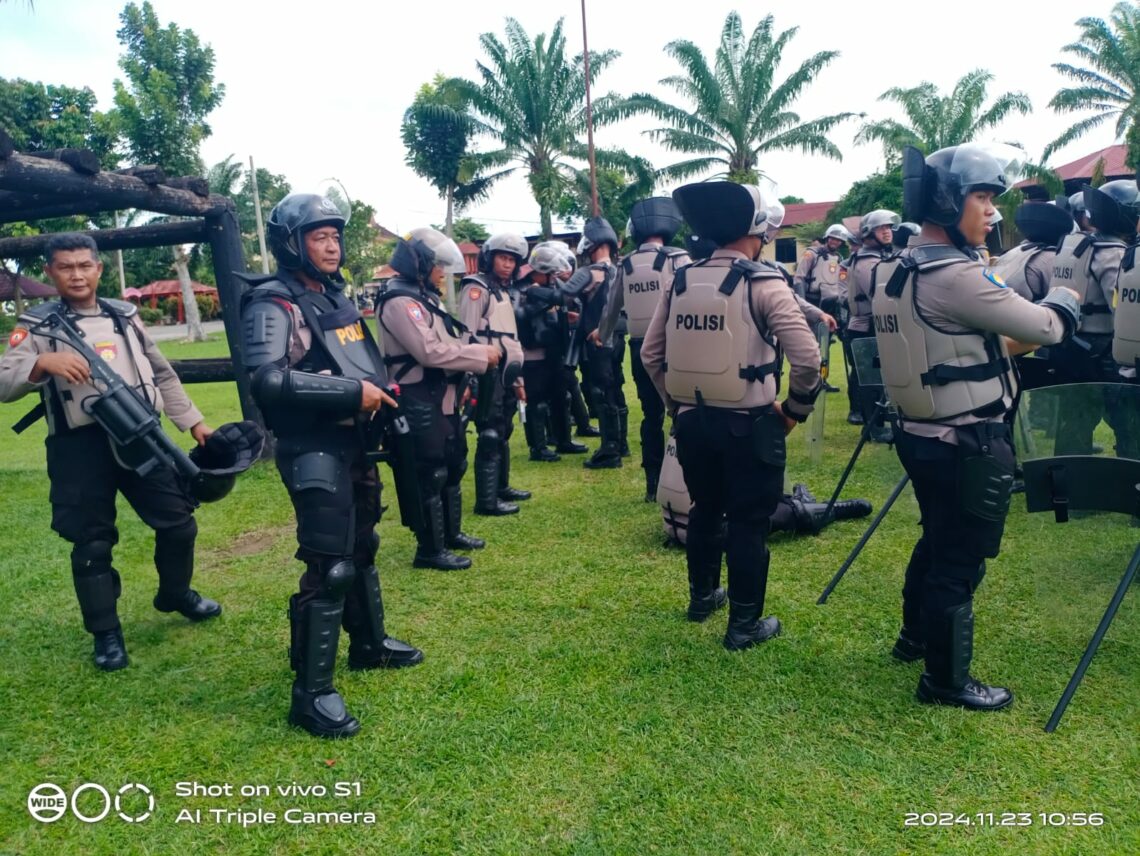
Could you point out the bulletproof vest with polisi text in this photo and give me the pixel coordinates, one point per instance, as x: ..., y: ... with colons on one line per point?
x: 1073, y: 268
x: 647, y: 274
x: 348, y: 347
x: 673, y: 495
x: 1011, y: 267
x: 930, y: 374
x: 1126, y: 333
x: 715, y: 351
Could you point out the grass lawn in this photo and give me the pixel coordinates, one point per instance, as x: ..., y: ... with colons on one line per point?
x: 565, y: 705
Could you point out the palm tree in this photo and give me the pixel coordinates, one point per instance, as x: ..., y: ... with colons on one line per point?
x: 1112, y: 83
x: 937, y: 120
x: 737, y: 113
x: 531, y: 99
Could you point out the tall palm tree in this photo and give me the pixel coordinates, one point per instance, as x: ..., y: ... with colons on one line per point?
x: 737, y: 113
x: 531, y: 99
x: 937, y: 120
x: 1110, y: 83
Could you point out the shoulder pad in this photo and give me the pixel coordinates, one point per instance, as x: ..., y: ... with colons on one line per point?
x: 269, y: 288
x: 265, y: 329
x: 1103, y: 243
x: 255, y: 279
x: 474, y: 279
x: 758, y: 270
x: 123, y: 308
x: 399, y: 288
x: 932, y: 255
x: 38, y: 313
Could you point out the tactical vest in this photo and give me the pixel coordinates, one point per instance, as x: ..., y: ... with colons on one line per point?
x: 1011, y: 267
x: 824, y: 284
x: 673, y: 495
x: 859, y: 300
x: 716, y: 351
x: 438, y: 319
x: 500, y: 314
x: 1126, y: 335
x: 647, y: 274
x: 537, y: 331
x: 930, y: 374
x: 1072, y: 268
x: 113, y: 336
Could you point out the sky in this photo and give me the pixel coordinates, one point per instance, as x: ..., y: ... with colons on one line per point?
x: 318, y: 89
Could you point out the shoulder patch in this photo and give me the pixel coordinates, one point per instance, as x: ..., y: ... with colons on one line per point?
x: 19, y: 334
x: 416, y: 312
x: 842, y: 273
x: 807, y: 254
x: 989, y: 274
x: 475, y: 292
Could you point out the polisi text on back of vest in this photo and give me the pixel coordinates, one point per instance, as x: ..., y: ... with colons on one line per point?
x: 886, y: 323
x: 692, y: 321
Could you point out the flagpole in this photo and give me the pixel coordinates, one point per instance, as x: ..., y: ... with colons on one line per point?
x: 589, y: 118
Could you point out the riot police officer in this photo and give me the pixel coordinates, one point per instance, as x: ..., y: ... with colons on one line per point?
x: 876, y: 232
x: 486, y: 310
x: 643, y: 277
x: 316, y: 372
x: 84, y: 467
x: 817, y: 278
x: 1090, y: 265
x: 712, y: 354
x: 427, y: 356
x: 1028, y: 267
x: 946, y: 329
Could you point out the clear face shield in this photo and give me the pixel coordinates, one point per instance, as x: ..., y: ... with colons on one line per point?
x: 996, y: 166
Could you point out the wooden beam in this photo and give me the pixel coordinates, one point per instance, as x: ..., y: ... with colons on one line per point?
x: 104, y: 191
x: 124, y: 238
x: 83, y: 161
x: 150, y: 174
x: 194, y: 183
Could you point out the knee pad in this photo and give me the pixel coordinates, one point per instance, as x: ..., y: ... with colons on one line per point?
x: 336, y: 577
x: 91, y: 558
x: 488, y: 439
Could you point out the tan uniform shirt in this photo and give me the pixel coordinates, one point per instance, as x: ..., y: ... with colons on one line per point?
x: 859, y: 272
x: 18, y: 361
x: 774, y: 304
x: 476, y: 306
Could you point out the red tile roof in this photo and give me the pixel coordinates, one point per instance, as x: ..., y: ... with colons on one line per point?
x: 798, y: 213
x: 1083, y: 168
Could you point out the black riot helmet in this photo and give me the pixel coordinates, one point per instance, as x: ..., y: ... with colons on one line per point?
x: 698, y: 247
x: 657, y: 216
x: 902, y: 233
x: 290, y: 219
x: 723, y: 211
x: 423, y: 249
x: 1043, y: 222
x: 228, y: 452
x: 595, y: 232
x: 503, y: 242
x: 1114, y: 208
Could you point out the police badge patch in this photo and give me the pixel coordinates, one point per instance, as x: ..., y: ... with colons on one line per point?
x: 994, y: 278
x: 18, y: 335
x: 416, y: 313
x: 475, y: 292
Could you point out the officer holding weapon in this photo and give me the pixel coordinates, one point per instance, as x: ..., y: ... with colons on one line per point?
x: 317, y: 375
x: 644, y: 276
x: 102, y: 382
x: 486, y: 311
x: 711, y: 351
x: 947, y: 328
x: 426, y: 355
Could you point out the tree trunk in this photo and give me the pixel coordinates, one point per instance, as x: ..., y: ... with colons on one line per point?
x: 547, y: 226
x: 449, y: 280
x: 447, y: 226
x: 194, y: 331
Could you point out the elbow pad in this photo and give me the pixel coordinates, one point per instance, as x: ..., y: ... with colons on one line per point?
x: 275, y: 387
x: 578, y: 281
x: 1067, y: 306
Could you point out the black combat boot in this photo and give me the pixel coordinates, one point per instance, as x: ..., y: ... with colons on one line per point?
x: 506, y: 492
x: 623, y: 432
x: 608, y: 455
x: 746, y: 628
x: 910, y: 645
x: 652, y: 479
x: 535, y: 430
x: 800, y: 491
x: 947, y: 679
x: 174, y: 561
x: 111, y: 650
x: 487, y: 500
x: 369, y: 647
x: 317, y: 706
x: 431, y: 550
x: 706, y: 595
x: 452, y: 520
x: 560, y: 431
x: 581, y: 414
x: 97, y: 594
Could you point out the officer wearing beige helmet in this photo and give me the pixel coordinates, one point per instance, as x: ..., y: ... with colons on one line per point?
x: 946, y: 328
x: 711, y: 352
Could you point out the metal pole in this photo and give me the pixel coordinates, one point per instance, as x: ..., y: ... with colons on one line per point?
x: 257, y: 214
x: 119, y: 262
x: 589, y: 118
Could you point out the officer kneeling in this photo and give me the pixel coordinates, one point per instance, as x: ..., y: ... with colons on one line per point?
x: 941, y: 320
x: 315, y: 370
x: 710, y: 350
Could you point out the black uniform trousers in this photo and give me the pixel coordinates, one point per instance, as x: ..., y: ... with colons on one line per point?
x: 729, y: 475
x: 335, y: 492
x: 652, y: 413
x: 948, y: 562
x: 541, y: 378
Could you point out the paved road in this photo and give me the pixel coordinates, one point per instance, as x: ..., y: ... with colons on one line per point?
x: 178, y: 331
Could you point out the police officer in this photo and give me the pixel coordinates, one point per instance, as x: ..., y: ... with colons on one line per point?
x: 1028, y: 267
x: 83, y: 468
x: 315, y: 373
x: 604, y: 380
x: 486, y: 310
x: 1090, y: 265
x: 711, y: 352
x: 427, y: 356
x: 642, y: 279
x: 876, y: 231
x: 1075, y: 205
x: 817, y: 278
x: 946, y: 329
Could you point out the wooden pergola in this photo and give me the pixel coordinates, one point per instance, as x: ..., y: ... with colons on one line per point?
x: 67, y: 182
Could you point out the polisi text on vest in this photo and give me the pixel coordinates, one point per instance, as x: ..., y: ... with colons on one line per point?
x: 689, y: 321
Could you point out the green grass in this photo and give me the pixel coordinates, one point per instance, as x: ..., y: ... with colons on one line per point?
x: 565, y: 705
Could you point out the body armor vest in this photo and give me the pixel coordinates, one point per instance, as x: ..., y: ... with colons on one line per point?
x: 1126, y: 335
x: 673, y: 495
x: 342, y: 343
x: 1072, y: 268
x: 824, y: 284
x: 500, y: 314
x: 859, y: 277
x: 933, y: 375
x: 114, y: 338
x: 1011, y: 268
x: 438, y: 320
x: 647, y: 274
x: 716, y: 353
